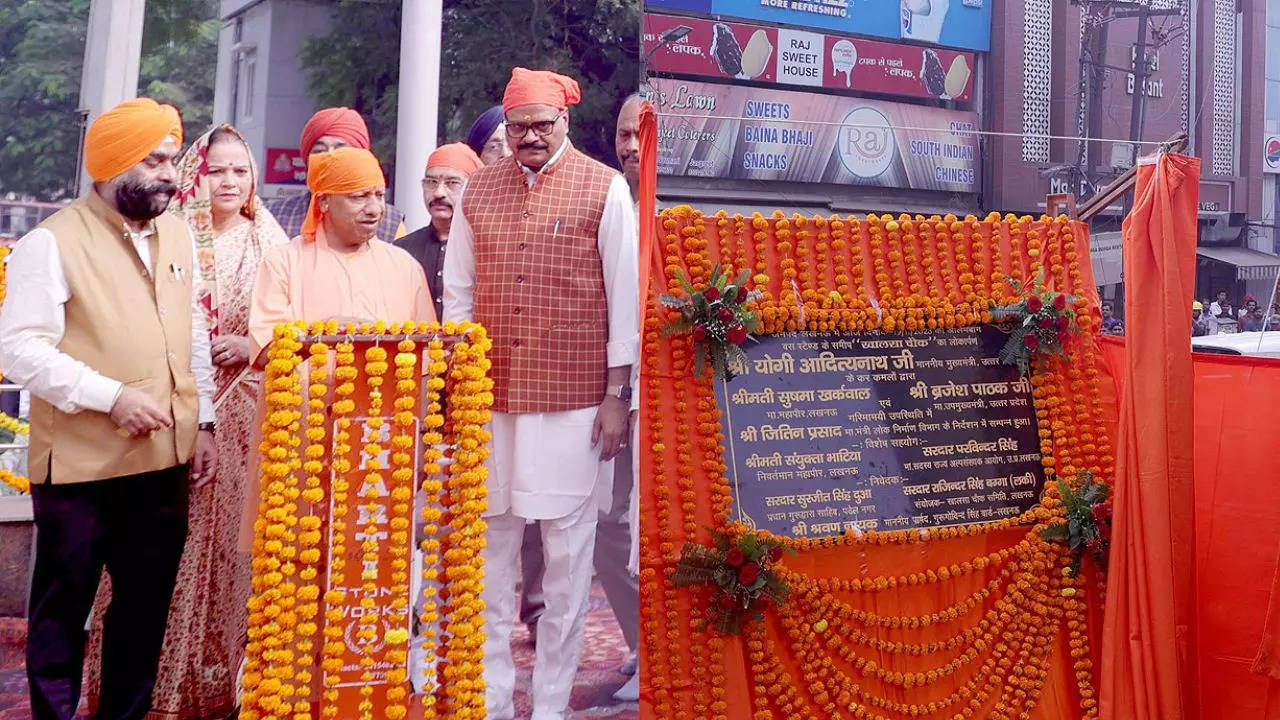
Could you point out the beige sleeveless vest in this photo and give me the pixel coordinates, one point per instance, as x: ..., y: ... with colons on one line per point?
x: 129, y: 325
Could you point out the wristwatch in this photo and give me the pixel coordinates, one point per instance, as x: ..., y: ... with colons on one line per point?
x: 622, y: 392
x: 207, y: 427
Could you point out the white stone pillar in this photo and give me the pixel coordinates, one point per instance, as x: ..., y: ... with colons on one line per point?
x: 112, y: 52
x: 419, y: 100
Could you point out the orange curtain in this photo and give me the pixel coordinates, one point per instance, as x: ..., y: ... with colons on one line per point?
x: 1237, y: 512
x: 648, y: 189
x: 1148, y: 669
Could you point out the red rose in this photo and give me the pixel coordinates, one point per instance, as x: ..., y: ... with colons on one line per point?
x: 1031, y: 340
x: 1094, y: 545
x: 1064, y: 323
x: 1034, y: 304
x: 1100, y: 513
x: 727, y: 601
x: 1046, y: 323
x: 699, y: 332
x: 724, y: 315
x: 735, y: 557
x: 1105, y: 531
x: 1060, y: 302
x: 775, y: 553
x: 748, y: 573
x: 712, y: 294
x: 736, y: 335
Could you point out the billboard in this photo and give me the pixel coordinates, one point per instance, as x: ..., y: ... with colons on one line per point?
x: 952, y: 23
x: 736, y: 51
x: 732, y: 131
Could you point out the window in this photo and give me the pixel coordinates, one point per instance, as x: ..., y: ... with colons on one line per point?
x: 1273, y: 53
x: 1272, y: 111
x: 248, y: 76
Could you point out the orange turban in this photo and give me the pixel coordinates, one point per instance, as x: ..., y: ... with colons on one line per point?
x: 458, y: 156
x: 542, y: 87
x: 339, y: 122
x: 126, y: 134
x: 341, y: 172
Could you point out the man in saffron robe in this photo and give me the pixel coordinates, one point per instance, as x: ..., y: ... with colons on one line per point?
x: 543, y: 252
x: 332, y: 271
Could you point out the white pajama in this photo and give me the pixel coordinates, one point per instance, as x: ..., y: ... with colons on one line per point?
x: 567, y: 544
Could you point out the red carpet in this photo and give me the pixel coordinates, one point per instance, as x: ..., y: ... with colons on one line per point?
x: 598, y: 675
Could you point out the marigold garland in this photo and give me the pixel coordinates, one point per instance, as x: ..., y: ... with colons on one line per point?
x: 15, y: 481
x: 15, y: 426
x: 289, y: 551
x: 924, y: 273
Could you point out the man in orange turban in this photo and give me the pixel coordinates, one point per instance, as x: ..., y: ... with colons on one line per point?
x: 448, y: 168
x: 543, y: 252
x: 102, y: 329
x: 332, y: 270
x: 327, y: 130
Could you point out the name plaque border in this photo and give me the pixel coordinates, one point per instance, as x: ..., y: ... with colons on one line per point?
x: 722, y: 397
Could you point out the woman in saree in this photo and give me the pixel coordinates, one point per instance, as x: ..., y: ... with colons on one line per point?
x: 233, y: 229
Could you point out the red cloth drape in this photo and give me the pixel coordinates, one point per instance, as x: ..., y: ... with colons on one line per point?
x: 1237, y: 510
x: 1149, y: 655
x: 648, y: 190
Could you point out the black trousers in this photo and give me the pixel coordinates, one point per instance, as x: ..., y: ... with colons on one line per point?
x: 135, y: 527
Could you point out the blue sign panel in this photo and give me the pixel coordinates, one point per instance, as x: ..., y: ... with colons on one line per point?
x: 952, y: 23
x: 828, y: 432
x: 700, y: 6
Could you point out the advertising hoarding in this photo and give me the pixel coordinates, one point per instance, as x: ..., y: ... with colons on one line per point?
x: 952, y: 23
x: 732, y: 131
x: 728, y: 50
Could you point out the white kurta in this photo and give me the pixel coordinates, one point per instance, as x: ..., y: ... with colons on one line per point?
x: 548, y: 467
x: 33, y: 321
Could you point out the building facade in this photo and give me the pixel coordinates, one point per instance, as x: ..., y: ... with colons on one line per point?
x: 261, y: 87
x: 1071, y: 70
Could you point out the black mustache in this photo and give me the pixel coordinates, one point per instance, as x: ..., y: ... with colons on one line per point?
x: 163, y: 188
x: 441, y: 203
x: 533, y: 146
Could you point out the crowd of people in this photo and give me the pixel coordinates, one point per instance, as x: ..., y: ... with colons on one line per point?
x: 1210, y: 317
x: 138, y: 319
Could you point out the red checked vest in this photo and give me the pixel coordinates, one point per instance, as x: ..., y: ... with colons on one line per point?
x: 129, y: 325
x: 539, y: 282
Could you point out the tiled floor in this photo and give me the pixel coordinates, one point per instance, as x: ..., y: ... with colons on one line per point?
x: 598, y: 677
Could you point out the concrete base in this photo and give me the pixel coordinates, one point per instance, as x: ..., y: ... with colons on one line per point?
x: 17, y: 533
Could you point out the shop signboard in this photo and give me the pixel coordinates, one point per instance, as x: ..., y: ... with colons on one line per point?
x: 1271, y: 154
x: 951, y: 23
x: 737, y: 51
x: 733, y: 131
x: 285, y: 166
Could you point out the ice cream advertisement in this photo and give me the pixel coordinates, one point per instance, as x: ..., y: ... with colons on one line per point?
x: 962, y: 24
x: 733, y: 131
x: 806, y: 59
